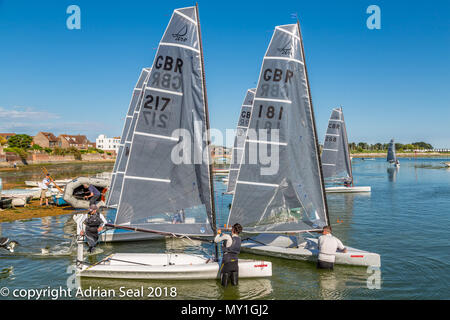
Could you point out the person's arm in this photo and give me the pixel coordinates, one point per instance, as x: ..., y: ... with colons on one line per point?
x: 223, y: 237
x: 80, y: 224
x: 100, y: 228
x: 341, y: 246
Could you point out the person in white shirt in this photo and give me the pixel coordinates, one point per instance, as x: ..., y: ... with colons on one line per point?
x: 44, y: 187
x: 328, y: 246
x: 90, y: 225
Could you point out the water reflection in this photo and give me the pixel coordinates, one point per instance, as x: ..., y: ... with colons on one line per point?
x: 185, y: 289
x: 392, y: 173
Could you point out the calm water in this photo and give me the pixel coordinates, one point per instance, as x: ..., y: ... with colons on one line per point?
x: 405, y: 219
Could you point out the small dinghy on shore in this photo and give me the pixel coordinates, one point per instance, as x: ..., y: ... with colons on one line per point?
x: 172, y: 199
x: 74, y: 191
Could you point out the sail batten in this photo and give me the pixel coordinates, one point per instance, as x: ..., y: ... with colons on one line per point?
x: 335, y: 152
x: 291, y: 199
x: 165, y: 187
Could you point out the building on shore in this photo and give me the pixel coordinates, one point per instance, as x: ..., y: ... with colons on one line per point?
x: 78, y: 141
x: 45, y: 140
x: 108, y: 144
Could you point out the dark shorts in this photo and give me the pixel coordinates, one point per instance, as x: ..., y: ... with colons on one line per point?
x: 231, y: 266
x: 325, y: 265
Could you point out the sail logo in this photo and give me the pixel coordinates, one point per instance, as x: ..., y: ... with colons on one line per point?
x: 286, y: 50
x: 181, y: 34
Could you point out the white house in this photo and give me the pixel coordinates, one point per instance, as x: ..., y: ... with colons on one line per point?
x: 107, y: 144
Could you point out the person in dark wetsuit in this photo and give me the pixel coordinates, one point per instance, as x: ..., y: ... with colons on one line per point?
x: 229, y: 269
x: 90, y: 225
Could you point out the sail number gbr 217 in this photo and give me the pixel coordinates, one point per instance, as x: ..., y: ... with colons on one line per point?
x: 155, y: 111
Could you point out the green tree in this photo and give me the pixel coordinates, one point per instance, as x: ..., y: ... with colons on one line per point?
x: 36, y: 147
x: 423, y: 145
x: 22, y: 141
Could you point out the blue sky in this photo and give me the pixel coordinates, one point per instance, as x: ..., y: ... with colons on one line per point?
x: 392, y: 82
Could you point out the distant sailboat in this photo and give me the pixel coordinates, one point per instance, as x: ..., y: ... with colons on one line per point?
x: 239, y: 140
x: 159, y: 195
x: 336, y: 162
x: 292, y: 200
x: 391, y: 155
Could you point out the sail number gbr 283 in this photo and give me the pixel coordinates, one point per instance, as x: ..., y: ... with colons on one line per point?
x: 155, y: 111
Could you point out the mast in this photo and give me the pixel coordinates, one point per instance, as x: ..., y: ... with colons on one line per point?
x: 208, y: 139
x: 314, y: 126
x: 346, y: 146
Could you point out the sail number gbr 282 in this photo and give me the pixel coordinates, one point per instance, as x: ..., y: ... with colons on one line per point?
x: 155, y: 111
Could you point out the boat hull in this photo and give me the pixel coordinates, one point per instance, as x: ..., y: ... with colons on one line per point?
x: 117, y: 235
x: 308, y: 251
x: 168, y: 267
x: 347, y: 189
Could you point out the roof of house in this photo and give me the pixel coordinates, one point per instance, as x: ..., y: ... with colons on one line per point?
x: 7, y: 134
x: 50, y: 136
x: 75, y: 139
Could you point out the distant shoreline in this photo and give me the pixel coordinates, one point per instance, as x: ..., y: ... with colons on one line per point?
x: 7, y: 166
x: 401, y: 155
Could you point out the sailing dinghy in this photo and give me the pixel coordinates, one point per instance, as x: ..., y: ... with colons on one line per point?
x: 391, y: 155
x: 239, y: 140
x: 162, y: 195
x: 291, y: 201
x: 336, y: 162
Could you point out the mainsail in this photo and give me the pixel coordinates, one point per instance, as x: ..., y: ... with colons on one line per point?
x: 239, y: 140
x: 293, y: 198
x: 124, y: 147
x: 167, y: 183
x: 336, y: 161
x: 391, y: 156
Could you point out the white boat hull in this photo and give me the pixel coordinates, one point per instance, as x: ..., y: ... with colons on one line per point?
x: 307, y: 251
x: 168, y: 267
x: 347, y: 189
x: 118, y: 236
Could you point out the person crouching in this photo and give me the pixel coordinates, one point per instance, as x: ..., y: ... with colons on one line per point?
x: 229, y: 269
x: 90, y: 225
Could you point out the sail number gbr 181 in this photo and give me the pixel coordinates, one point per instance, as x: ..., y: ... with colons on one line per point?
x: 269, y: 116
x: 155, y: 111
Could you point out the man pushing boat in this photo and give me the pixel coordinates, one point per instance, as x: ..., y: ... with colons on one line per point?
x: 90, y: 225
x: 231, y: 249
x: 328, y: 245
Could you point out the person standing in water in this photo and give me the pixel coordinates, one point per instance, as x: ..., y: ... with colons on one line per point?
x: 90, y: 225
x: 229, y: 269
x: 328, y: 245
